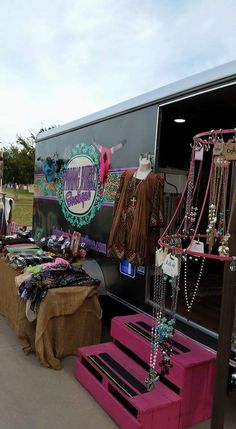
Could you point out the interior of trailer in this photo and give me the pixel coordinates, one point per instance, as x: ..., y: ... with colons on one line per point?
x: 209, y: 110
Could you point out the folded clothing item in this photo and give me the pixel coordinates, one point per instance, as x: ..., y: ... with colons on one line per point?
x: 28, y: 245
x: 58, y: 261
x: 26, y: 233
x: 33, y: 269
x: 10, y: 241
x: 36, y: 286
x: 57, y: 243
x: 24, y: 260
x: 15, y: 250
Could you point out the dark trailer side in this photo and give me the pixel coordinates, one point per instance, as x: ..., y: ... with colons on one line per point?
x: 144, y: 124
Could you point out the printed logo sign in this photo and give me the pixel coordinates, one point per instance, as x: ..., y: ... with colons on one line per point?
x: 79, y: 189
x: 80, y: 184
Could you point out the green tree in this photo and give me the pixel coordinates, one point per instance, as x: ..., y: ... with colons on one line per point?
x: 19, y: 160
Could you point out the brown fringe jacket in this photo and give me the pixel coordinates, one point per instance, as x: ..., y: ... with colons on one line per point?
x: 137, y: 216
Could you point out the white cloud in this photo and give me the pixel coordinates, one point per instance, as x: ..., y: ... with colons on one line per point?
x: 62, y: 60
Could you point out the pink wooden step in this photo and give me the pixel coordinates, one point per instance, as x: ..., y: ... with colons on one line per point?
x: 192, y: 375
x: 117, y: 383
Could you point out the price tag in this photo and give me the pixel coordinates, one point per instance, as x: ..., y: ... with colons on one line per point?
x: 159, y: 257
x: 218, y: 148
x: 170, y: 266
x: 199, y: 154
x: 230, y: 150
x: 197, y: 246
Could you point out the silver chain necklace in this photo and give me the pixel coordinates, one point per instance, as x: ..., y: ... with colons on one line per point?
x: 189, y: 302
x: 162, y: 328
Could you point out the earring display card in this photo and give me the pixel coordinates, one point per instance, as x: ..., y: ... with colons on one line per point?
x: 218, y: 148
x: 170, y: 266
x: 199, y: 154
x: 159, y: 258
x: 197, y: 246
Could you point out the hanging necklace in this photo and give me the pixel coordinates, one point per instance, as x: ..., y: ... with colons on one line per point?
x: 157, y: 311
x: 215, y: 193
x: 135, y: 187
x: 191, y: 210
x: 194, y: 207
x: 189, y: 197
x: 189, y: 302
x: 162, y: 330
x: 224, y: 247
x: 222, y: 206
x: 169, y: 325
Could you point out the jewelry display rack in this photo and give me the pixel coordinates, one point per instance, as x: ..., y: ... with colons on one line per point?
x: 207, y: 231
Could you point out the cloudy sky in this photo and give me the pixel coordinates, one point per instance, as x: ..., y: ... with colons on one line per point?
x: 63, y: 59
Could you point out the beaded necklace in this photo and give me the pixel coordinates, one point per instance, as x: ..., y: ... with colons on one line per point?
x: 189, y: 301
x: 162, y: 330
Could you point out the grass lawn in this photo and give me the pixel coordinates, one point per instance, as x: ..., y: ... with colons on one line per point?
x: 23, y: 209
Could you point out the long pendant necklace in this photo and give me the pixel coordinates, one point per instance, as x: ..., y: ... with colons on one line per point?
x: 224, y: 246
x: 191, y: 208
x: 215, y: 194
x: 168, y: 325
x: 187, y: 221
x: 194, y: 207
x: 162, y: 330
x: 135, y: 184
x: 222, y: 207
x: 158, y: 307
x: 189, y: 301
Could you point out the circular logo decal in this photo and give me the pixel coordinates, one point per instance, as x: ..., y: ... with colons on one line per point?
x: 79, y: 184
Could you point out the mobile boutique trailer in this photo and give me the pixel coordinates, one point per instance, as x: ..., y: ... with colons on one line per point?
x: 114, y: 139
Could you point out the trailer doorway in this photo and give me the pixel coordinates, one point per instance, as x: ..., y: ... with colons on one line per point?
x: 212, y: 108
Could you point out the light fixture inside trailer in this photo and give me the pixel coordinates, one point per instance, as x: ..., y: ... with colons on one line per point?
x: 179, y: 120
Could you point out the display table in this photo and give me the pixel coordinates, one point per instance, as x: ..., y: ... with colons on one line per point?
x: 68, y: 318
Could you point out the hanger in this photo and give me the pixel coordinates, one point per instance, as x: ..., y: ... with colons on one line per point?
x: 171, y: 184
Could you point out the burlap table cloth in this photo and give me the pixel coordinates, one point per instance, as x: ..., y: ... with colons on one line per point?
x: 68, y: 318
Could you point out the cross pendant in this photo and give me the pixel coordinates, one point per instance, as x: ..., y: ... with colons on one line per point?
x: 165, y: 366
x: 150, y: 382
